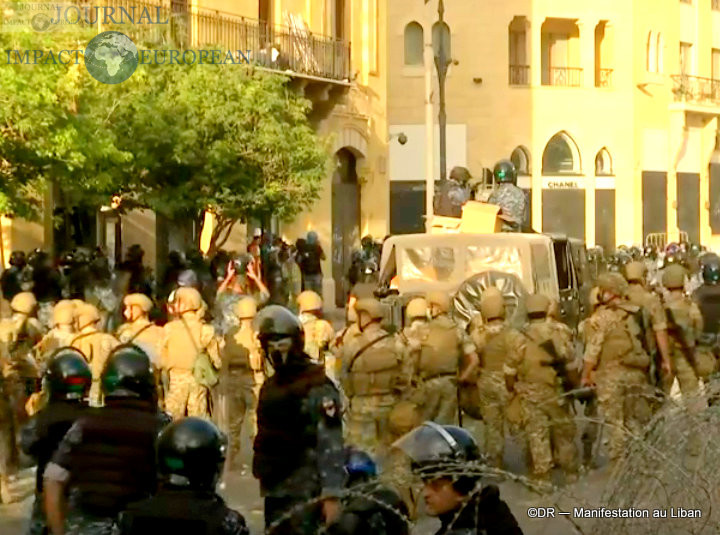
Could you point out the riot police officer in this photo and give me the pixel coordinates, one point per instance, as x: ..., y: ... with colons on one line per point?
x: 452, y: 193
x: 369, y: 507
x: 190, y: 456
x: 10, y: 281
x: 447, y: 459
x: 509, y: 197
x: 67, y: 380
x: 100, y: 480
x: 299, y: 446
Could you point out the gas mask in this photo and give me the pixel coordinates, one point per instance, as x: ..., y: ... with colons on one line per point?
x: 278, y: 350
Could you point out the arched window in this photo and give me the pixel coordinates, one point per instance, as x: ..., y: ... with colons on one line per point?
x: 603, y: 163
x: 520, y: 158
x: 659, y: 53
x: 413, y: 44
x: 561, y: 156
x: 651, y: 52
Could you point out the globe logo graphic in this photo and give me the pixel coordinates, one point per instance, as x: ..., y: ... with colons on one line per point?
x: 111, y: 57
x: 40, y: 22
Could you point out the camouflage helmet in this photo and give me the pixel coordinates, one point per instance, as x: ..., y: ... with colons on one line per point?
x: 87, y: 314
x: 64, y: 313
x: 439, y: 299
x: 492, y: 307
x: 187, y: 299
x: 371, y: 307
x: 505, y: 172
x: 246, y: 308
x: 139, y: 300
x: 416, y: 308
x: 673, y: 277
x: 23, y: 303
x: 613, y: 282
x: 634, y: 271
x: 537, y: 304
x: 309, y: 301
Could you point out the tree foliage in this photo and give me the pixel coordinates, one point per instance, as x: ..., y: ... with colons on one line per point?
x: 178, y: 139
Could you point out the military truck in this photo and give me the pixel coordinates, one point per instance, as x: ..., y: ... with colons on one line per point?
x: 464, y: 264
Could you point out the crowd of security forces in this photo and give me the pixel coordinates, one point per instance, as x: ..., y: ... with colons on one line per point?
x: 86, y: 398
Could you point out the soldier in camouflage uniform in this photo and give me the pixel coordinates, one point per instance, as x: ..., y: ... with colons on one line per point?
x: 617, y: 364
x: 537, y: 376
x: 319, y: 333
x: 375, y: 374
x: 497, y: 344
x: 138, y: 329
x: 685, y: 323
x: 241, y: 377
x: 18, y: 335
x: 95, y: 345
x: 509, y: 197
x: 657, y: 342
x: 185, y: 338
x: 591, y: 429
x: 416, y: 317
x: 61, y: 334
x: 439, y: 350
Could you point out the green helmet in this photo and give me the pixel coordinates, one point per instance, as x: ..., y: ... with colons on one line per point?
x: 68, y: 377
x: 673, y: 277
x: 613, y: 282
x: 505, y: 172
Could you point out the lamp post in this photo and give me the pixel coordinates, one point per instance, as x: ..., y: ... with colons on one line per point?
x: 441, y: 53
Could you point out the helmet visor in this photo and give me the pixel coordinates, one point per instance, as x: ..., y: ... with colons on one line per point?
x: 427, y: 443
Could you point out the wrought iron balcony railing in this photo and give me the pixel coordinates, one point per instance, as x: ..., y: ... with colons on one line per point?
x: 604, y: 78
x: 695, y: 89
x: 519, y: 74
x: 280, y: 48
x: 563, y: 76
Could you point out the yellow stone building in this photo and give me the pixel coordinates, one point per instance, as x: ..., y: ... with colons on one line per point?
x: 609, y: 110
x: 335, y: 52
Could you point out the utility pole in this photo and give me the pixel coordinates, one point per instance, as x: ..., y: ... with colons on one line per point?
x: 429, y: 137
x: 441, y: 50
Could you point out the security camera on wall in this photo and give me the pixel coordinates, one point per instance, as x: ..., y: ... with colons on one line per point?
x: 402, y: 139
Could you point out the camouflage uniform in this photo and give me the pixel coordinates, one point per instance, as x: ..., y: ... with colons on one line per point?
x: 241, y: 378
x: 184, y: 339
x: 591, y: 429
x: 438, y: 348
x: 620, y: 366
x: 497, y: 344
x: 61, y: 334
x: 546, y: 413
x: 684, y: 329
x: 145, y: 334
x: 374, y: 375
x: 319, y: 334
x: 514, y: 204
x: 95, y: 345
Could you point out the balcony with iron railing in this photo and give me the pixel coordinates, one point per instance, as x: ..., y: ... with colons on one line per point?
x: 291, y: 50
x: 696, y: 90
x: 519, y: 74
x: 563, y: 76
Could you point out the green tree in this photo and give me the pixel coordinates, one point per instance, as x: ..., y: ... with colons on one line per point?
x: 225, y: 138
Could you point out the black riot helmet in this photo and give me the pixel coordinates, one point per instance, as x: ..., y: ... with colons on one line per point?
x: 711, y: 269
x: 505, y: 172
x: 68, y: 376
x: 438, y: 451
x: 275, y: 322
x: 191, y: 452
x: 129, y: 373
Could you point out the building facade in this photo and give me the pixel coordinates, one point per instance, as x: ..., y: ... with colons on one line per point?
x: 609, y: 111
